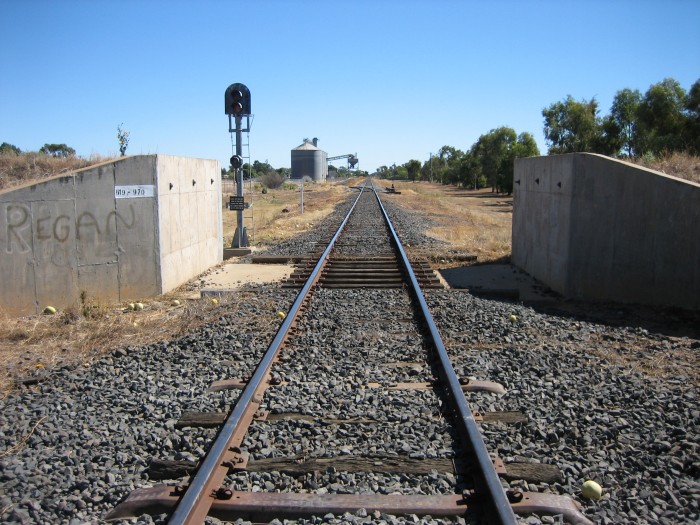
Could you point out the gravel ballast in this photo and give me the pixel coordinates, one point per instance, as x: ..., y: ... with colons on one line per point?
x: 77, y: 443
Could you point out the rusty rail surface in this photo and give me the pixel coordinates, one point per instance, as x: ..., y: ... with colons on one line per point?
x: 488, y: 485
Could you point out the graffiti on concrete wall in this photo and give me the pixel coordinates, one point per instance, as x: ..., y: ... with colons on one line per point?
x: 21, y: 226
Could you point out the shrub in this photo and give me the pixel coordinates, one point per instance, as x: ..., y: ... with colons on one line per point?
x: 272, y: 180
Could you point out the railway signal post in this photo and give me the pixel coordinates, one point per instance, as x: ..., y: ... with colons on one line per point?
x: 237, y: 106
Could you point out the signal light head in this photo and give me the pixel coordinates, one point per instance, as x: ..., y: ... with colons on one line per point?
x: 237, y: 100
x: 236, y: 162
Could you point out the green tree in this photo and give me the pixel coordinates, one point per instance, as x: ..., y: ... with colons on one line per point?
x: 57, y: 150
x: 525, y: 146
x: 608, y: 140
x: 661, y: 117
x: 493, y: 152
x: 492, y: 158
x: 471, y: 173
x: 692, y: 107
x: 572, y: 126
x: 426, y: 170
x: 9, y: 149
x: 400, y: 173
x: 285, y: 172
x: 624, y: 113
x: 450, y: 164
x: 261, y: 168
x: 413, y: 169
x: 435, y: 169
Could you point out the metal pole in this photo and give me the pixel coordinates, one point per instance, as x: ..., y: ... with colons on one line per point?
x: 239, y: 179
x: 302, y: 196
x: 239, y: 182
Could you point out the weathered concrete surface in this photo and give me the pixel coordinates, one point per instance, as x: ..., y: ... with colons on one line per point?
x: 189, y: 218
x: 595, y: 228
x: 73, y: 233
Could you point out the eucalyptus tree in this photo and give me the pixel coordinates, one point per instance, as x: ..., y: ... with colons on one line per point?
x: 624, y: 112
x: 661, y: 117
x: 692, y: 107
x: 451, y: 159
x: 571, y: 125
x: 493, y: 156
x: 413, y: 168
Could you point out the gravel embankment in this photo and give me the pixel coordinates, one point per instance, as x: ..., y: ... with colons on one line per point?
x: 636, y: 436
x: 98, y: 426
x: 74, y: 445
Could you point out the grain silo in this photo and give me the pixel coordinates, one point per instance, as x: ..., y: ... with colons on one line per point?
x: 309, y: 162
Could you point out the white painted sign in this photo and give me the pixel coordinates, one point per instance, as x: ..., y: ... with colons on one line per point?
x: 134, y: 192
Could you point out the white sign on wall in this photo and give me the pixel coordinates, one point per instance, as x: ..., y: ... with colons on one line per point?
x: 134, y: 192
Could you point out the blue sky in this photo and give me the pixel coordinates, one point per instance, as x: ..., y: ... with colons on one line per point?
x: 388, y: 80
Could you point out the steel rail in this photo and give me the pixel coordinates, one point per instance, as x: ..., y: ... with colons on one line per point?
x: 502, y: 509
x: 198, y: 498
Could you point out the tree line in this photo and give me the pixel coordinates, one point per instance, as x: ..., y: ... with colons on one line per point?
x: 273, y: 178
x: 489, y: 162
x: 255, y: 170
x: 52, y: 150
x: 665, y: 119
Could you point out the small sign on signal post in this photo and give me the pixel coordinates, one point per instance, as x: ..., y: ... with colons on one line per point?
x: 236, y: 203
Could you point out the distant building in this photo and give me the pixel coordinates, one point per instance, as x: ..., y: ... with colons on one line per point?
x: 309, y: 162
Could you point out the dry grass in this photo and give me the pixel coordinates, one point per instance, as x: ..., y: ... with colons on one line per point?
x: 681, y: 165
x: 17, y: 170
x: 268, y: 223
x: 35, y: 344
x: 638, y: 354
x: 471, y: 221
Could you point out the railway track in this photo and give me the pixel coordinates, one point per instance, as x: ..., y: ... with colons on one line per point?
x: 355, y: 405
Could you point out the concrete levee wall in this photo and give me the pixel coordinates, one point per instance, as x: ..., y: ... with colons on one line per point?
x: 101, y: 229
x: 595, y: 228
